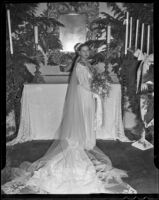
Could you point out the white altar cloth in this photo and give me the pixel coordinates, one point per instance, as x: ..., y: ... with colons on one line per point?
x: 41, y: 110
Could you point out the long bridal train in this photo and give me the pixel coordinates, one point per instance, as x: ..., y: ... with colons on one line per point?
x: 73, y: 163
x: 71, y: 171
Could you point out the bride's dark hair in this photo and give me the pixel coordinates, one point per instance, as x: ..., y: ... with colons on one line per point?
x: 79, y: 46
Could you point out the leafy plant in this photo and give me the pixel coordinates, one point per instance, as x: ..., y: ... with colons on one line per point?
x: 141, y: 11
x: 23, y: 20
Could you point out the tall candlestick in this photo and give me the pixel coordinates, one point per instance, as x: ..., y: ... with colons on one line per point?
x: 137, y: 30
x: 130, y: 32
x: 148, y: 39
x: 36, y: 34
x: 10, y: 33
x: 108, y: 34
x: 126, y: 34
x: 142, y: 36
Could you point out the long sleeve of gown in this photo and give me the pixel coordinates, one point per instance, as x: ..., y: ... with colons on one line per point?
x: 83, y: 76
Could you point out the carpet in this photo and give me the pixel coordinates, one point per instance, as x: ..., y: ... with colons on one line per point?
x: 143, y: 175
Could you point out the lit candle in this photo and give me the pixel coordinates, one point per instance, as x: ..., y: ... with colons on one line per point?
x: 130, y: 32
x: 148, y: 39
x: 137, y: 30
x: 108, y: 34
x: 142, y: 36
x: 10, y: 34
x: 36, y: 34
x: 126, y: 34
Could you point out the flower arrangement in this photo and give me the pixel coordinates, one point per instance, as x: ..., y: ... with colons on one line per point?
x: 101, y: 81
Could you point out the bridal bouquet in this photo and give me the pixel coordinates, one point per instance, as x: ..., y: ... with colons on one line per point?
x: 101, y: 82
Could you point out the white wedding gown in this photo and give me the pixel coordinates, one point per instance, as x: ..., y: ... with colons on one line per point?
x: 72, y: 168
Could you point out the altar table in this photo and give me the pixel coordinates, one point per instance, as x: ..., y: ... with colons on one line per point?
x: 42, y: 106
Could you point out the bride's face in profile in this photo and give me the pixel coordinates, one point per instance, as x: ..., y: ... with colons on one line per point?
x: 84, y: 52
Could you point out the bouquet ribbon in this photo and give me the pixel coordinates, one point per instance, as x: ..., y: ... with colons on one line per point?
x: 99, y: 111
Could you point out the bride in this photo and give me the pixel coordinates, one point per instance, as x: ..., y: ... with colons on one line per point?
x: 73, y: 164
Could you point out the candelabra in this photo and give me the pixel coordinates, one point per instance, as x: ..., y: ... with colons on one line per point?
x: 142, y: 143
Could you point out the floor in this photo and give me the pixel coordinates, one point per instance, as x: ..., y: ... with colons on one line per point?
x: 143, y: 175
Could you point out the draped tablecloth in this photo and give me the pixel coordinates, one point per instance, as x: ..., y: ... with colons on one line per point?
x: 42, y: 106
